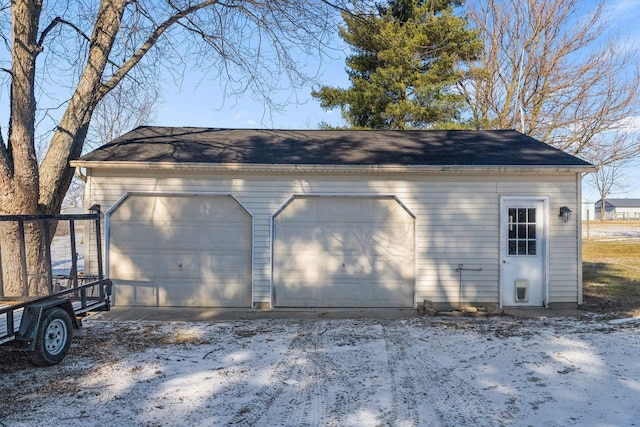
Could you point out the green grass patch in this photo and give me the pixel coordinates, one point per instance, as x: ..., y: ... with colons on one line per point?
x: 611, y: 276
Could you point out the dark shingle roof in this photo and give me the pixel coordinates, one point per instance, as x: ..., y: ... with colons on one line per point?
x: 331, y: 147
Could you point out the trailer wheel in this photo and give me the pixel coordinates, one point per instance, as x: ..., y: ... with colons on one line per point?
x: 53, y: 338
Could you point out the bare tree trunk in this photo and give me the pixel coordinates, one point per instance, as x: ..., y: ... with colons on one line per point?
x: 25, y: 269
x: 24, y: 21
x: 66, y: 144
x: 21, y: 166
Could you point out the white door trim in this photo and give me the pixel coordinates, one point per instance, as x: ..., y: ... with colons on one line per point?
x: 545, y: 244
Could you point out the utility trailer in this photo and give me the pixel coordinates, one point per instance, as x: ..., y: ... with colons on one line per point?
x: 44, y: 325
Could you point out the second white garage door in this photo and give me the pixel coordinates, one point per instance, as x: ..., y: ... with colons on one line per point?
x: 344, y: 252
x: 180, y: 251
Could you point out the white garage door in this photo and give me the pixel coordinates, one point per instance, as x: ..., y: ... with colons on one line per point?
x: 344, y: 252
x: 180, y: 251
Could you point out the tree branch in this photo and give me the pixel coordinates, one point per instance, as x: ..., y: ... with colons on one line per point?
x: 148, y: 44
x: 57, y: 20
x: 578, y: 85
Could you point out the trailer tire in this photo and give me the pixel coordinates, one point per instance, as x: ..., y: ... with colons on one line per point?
x: 53, y: 338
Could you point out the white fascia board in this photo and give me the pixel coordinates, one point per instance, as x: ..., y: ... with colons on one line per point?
x: 239, y: 167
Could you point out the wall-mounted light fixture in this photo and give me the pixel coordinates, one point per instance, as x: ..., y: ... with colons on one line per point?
x: 565, y: 214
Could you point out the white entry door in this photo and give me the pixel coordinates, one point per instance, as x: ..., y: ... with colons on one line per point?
x: 523, y: 252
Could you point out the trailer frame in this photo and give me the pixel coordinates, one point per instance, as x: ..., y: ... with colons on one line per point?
x: 44, y: 325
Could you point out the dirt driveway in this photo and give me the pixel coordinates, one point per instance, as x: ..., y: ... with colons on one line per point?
x: 337, y: 372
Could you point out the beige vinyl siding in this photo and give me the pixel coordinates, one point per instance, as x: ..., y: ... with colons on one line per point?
x: 457, y: 219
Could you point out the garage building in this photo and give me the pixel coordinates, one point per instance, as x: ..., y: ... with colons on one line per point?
x: 337, y: 218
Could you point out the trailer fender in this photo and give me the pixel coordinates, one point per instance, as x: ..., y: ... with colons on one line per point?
x: 32, y: 316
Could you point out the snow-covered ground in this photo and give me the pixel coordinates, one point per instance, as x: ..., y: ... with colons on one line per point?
x: 420, y: 371
x: 611, y: 230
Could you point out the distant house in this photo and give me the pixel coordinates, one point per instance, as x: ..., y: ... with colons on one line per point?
x: 303, y: 218
x: 618, y: 209
x: 587, y: 210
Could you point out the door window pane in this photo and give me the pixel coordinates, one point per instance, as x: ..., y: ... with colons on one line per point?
x: 522, y: 239
x: 522, y: 231
x: 522, y: 247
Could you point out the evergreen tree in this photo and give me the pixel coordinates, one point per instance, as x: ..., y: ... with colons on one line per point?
x: 407, y: 57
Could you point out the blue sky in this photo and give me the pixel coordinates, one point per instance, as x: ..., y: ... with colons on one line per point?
x: 201, y: 102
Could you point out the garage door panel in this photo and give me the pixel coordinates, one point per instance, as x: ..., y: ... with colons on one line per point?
x: 177, y: 237
x: 289, y: 234
x: 385, y: 249
x: 301, y: 252
x: 183, y: 237
x: 184, y: 265
x: 121, y: 229
x: 192, y: 251
x: 132, y: 266
x: 174, y: 209
x: 385, y: 272
x: 366, y: 210
x: 342, y: 294
x: 345, y: 239
x: 349, y: 265
x: 228, y: 261
x: 226, y: 267
x: 290, y: 273
x: 343, y: 209
x: 387, y: 301
x: 189, y: 294
x: 319, y: 239
x: 346, y: 251
x: 224, y: 238
x: 135, y: 292
x: 297, y: 294
x: 297, y: 279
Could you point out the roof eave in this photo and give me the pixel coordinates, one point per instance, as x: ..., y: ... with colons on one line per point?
x: 244, y: 167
